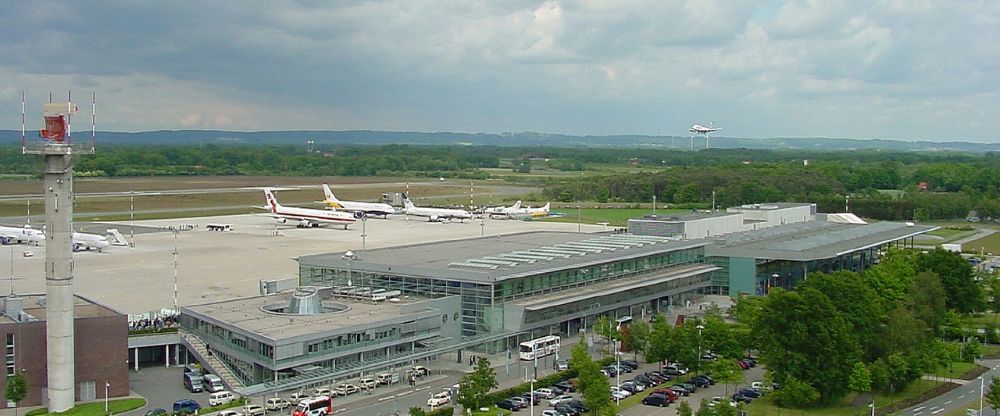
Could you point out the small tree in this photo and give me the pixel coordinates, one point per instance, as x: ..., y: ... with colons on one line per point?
x: 605, y: 327
x: 993, y: 395
x: 475, y: 385
x: 17, y: 389
x: 637, y: 338
x: 684, y: 409
x: 796, y: 393
x: 726, y: 371
x: 416, y: 411
x: 861, y: 379
x: 971, y: 350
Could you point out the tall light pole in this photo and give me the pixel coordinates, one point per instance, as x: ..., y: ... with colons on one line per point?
x: 175, y: 270
x: 531, y: 400
x: 131, y: 218
x: 106, y: 386
x: 364, y: 231
x: 618, y: 372
x: 579, y: 218
x: 698, y: 367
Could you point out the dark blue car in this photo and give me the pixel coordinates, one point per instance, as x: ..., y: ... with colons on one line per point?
x: 186, y: 406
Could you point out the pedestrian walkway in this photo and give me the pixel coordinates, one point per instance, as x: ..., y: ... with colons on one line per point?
x: 946, y: 380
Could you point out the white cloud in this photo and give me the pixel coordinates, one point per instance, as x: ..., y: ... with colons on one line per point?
x: 774, y: 68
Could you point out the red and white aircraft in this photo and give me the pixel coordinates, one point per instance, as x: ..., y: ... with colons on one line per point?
x: 306, y: 217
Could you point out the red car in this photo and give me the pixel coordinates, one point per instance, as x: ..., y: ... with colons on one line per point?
x: 672, y: 395
x: 742, y: 364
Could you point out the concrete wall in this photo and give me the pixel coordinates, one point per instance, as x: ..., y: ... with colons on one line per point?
x: 714, y: 226
x: 101, y: 356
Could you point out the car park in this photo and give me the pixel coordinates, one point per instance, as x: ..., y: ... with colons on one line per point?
x: 253, y: 410
x: 656, y: 399
x: 276, y: 403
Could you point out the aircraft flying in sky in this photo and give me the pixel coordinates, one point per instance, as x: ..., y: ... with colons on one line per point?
x: 698, y: 128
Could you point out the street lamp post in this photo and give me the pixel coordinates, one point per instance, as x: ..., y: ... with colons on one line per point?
x: 107, y: 385
x: 698, y: 367
x: 774, y: 281
x: 618, y: 373
x: 579, y: 218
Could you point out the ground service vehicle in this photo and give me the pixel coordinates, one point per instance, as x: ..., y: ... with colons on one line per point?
x: 316, y: 406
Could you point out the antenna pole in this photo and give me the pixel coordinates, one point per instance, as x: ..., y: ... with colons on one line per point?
x: 175, y: 271
x: 69, y: 117
x: 22, y: 123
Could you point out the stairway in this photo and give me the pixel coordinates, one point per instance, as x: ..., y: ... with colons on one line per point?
x: 210, y: 362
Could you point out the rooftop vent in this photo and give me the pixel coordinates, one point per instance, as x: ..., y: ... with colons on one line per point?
x: 305, y: 301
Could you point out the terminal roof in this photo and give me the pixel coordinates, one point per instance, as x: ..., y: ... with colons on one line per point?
x: 811, y: 240
x: 34, y: 306
x: 495, y: 258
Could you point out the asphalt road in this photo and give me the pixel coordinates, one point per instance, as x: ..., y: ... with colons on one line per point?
x: 959, y: 398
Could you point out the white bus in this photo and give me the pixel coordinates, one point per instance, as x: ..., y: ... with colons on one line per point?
x: 542, y: 346
x: 316, y: 406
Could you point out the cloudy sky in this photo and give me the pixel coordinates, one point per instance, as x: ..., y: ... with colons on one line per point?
x: 898, y: 69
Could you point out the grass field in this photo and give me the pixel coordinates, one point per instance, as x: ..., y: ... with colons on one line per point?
x: 765, y: 406
x: 950, y: 233
x: 955, y: 370
x: 95, y: 408
x: 990, y: 244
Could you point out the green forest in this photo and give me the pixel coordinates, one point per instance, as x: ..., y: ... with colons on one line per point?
x: 880, y: 185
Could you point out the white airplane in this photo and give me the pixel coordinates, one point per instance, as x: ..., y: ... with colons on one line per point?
x: 434, y: 214
x: 504, y: 211
x: 358, y: 208
x: 538, y: 212
x: 698, y: 128
x: 17, y: 235
x: 84, y: 241
x: 306, y: 217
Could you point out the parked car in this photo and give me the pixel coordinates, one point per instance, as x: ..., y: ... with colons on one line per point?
x: 559, y: 391
x: 610, y: 370
x: 709, y: 356
x: 637, y: 386
x: 680, y: 390
x: 186, y: 406
x: 229, y: 413
x: 676, y: 369
x: 578, y: 404
x: 533, y: 398
x: 522, y: 403
x: 690, y: 387
x: 295, y: 398
x: 508, y: 404
x: 159, y: 411
x: 560, y: 365
x: 220, y: 398
x: 657, y: 377
x: 253, y: 410
x: 346, y: 388
x: 761, y: 386
x: 367, y: 383
x: 743, y: 365
x: 559, y: 399
x: 656, y: 399
x: 387, y: 378
x: 419, y: 371
x: 545, y: 393
x: 322, y: 391
x: 630, y: 363
x: 439, y: 399
x: 700, y: 382
x: 276, y: 403
x: 706, y: 377
x: 624, y: 393
x: 566, y: 409
x: 739, y: 397
x: 669, y: 393
x: 566, y: 386
x: 551, y: 412
x: 749, y: 392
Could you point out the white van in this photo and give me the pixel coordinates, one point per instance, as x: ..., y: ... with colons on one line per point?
x: 220, y: 398
x: 213, y: 383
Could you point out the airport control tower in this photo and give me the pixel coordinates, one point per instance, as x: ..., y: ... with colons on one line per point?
x: 55, y: 144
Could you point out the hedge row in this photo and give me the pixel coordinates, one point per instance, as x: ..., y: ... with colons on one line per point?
x: 441, y: 411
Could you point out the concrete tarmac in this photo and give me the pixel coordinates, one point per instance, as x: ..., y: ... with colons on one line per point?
x: 214, y: 266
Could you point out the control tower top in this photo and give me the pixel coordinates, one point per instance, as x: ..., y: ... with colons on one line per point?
x: 57, y: 135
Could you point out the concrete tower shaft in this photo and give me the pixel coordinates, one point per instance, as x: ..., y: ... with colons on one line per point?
x: 60, y: 353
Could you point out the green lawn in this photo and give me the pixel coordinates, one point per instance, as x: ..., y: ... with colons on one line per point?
x: 494, y: 411
x: 764, y: 406
x: 95, y: 408
x: 990, y: 243
x: 615, y: 217
x: 948, y: 233
x: 955, y: 370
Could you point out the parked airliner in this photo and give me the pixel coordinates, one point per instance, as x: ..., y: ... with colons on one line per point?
x: 358, y: 208
x: 305, y: 217
x: 434, y: 214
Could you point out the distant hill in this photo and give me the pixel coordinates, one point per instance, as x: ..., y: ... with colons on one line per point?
x: 325, y: 137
